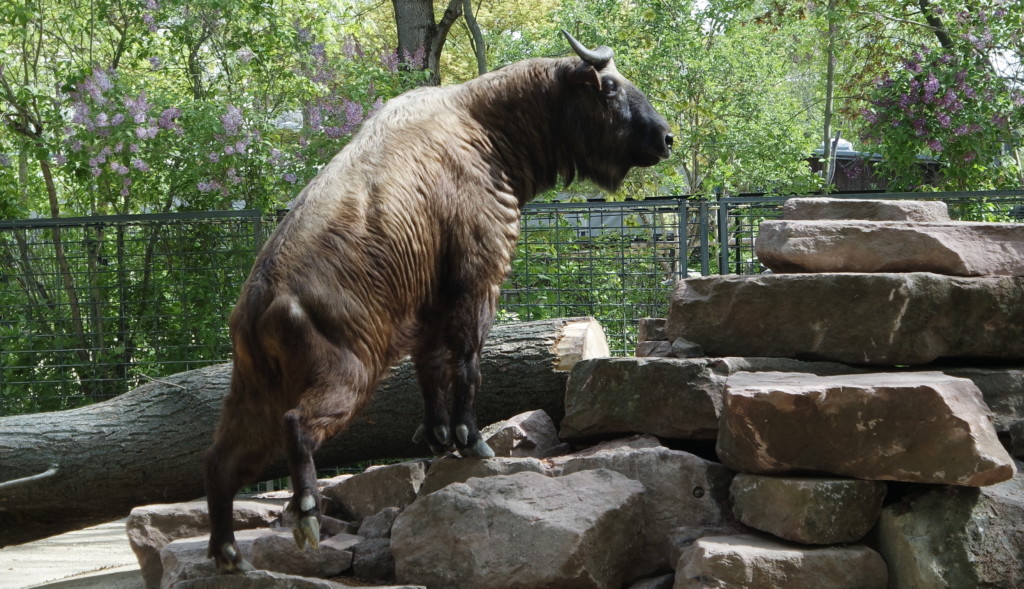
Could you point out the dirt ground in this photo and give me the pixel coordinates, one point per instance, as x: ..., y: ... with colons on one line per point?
x: 94, y: 558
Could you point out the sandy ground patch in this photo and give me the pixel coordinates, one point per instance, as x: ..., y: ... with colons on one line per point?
x: 93, y: 558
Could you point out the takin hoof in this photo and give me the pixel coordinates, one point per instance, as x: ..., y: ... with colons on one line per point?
x: 307, y: 531
x: 230, y: 561
x: 440, y: 443
x: 478, y: 449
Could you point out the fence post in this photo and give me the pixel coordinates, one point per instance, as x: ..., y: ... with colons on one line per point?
x: 723, y: 235
x: 705, y: 262
x: 682, y: 239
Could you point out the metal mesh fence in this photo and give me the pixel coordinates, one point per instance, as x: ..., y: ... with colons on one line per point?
x: 92, y: 307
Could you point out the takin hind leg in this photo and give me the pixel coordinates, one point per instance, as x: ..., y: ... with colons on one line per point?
x: 326, y: 408
x: 237, y: 457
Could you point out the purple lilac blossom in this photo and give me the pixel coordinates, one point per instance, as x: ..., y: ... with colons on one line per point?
x: 390, y: 61
x: 930, y: 88
x: 137, y: 107
x: 232, y: 120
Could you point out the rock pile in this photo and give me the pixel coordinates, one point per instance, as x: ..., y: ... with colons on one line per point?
x: 833, y: 457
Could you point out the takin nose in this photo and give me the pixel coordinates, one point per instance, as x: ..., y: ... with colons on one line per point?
x: 668, y: 141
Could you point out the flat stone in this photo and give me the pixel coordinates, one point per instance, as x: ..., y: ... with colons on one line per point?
x: 751, y: 562
x: 378, y: 487
x: 951, y: 248
x: 665, y: 397
x: 808, y: 510
x: 923, y: 427
x: 1002, y: 388
x: 878, y: 319
x: 669, y: 398
x: 868, y: 209
x: 651, y: 329
x: 577, y: 531
x: 259, y: 580
x: 379, y: 524
x: 448, y: 470
x: 186, y: 559
x: 532, y: 433
x: 653, y: 349
x: 276, y: 551
x: 373, y: 561
x: 683, y: 490
x: 151, y: 527
x: 954, y: 537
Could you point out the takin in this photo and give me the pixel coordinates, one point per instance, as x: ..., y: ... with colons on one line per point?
x: 399, y: 246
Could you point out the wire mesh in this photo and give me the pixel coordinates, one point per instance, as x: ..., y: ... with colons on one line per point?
x: 90, y: 308
x: 613, y: 261
x: 93, y: 307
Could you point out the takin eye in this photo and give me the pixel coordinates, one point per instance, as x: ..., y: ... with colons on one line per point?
x: 609, y: 86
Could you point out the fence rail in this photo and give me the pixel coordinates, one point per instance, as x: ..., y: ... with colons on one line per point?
x: 92, y: 307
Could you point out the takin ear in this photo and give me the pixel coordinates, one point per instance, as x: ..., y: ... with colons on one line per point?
x: 585, y: 74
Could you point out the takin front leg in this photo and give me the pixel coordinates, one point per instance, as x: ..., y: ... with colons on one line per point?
x: 431, y: 361
x: 467, y: 329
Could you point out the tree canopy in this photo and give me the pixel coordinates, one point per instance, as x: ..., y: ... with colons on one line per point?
x: 126, y: 106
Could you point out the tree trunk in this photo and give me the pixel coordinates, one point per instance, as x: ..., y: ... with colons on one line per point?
x: 417, y: 31
x: 71, y: 469
x: 827, y: 145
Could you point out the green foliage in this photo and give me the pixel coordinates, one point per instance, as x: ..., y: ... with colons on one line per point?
x: 949, y: 97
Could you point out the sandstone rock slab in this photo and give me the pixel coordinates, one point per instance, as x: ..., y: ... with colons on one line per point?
x: 372, y: 560
x: 878, y: 319
x: 923, y: 427
x: 272, y: 580
x: 258, y: 580
x: 524, y: 530
x: 651, y: 329
x: 952, y: 537
x: 379, y: 524
x: 1002, y: 387
x: 951, y: 248
x: 186, y: 559
x: 528, y: 434
x: 868, y: 209
x: 672, y: 398
x: 448, y: 470
x: 753, y: 562
x: 683, y: 490
x: 151, y: 527
x: 379, y: 487
x: 808, y: 510
x: 276, y: 551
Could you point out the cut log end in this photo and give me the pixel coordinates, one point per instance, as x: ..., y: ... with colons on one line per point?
x: 580, y: 338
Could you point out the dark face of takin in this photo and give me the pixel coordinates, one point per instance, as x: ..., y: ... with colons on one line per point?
x: 610, y: 124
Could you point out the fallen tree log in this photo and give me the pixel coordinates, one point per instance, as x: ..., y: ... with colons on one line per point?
x: 71, y: 469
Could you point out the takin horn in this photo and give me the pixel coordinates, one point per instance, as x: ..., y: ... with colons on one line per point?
x: 598, y: 57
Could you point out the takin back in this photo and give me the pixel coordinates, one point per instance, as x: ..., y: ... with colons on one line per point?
x: 399, y: 246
